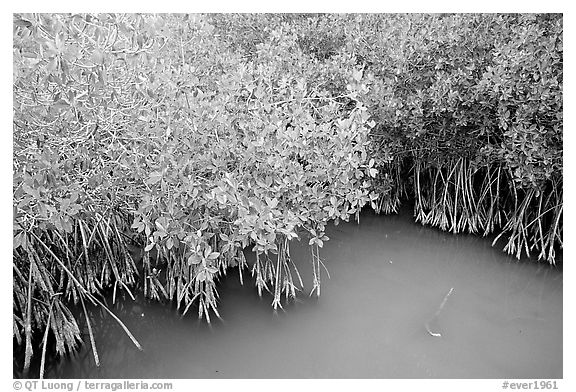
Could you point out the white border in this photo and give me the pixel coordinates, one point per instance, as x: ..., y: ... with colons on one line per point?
x: 290, y: 6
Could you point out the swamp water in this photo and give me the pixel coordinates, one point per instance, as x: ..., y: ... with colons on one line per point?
x: 403, y: 301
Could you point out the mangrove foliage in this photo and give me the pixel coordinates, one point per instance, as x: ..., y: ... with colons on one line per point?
x: 197, y: 137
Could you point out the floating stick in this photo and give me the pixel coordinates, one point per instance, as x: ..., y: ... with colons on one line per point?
x: 437, y: 334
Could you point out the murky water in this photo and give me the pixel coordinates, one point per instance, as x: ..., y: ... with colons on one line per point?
x: 376, y: 317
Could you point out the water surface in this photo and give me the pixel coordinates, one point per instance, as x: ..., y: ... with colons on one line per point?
x: 389, y: 277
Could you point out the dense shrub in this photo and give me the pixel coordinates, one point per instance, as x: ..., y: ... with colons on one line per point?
x: 150, y: 130
x: 473, y: 104
x: 468, y: 113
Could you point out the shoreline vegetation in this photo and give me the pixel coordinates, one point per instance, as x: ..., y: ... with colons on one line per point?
x: 196, y: 136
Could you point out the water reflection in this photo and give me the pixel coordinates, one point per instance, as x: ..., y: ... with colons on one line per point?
x: 389, y: 277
